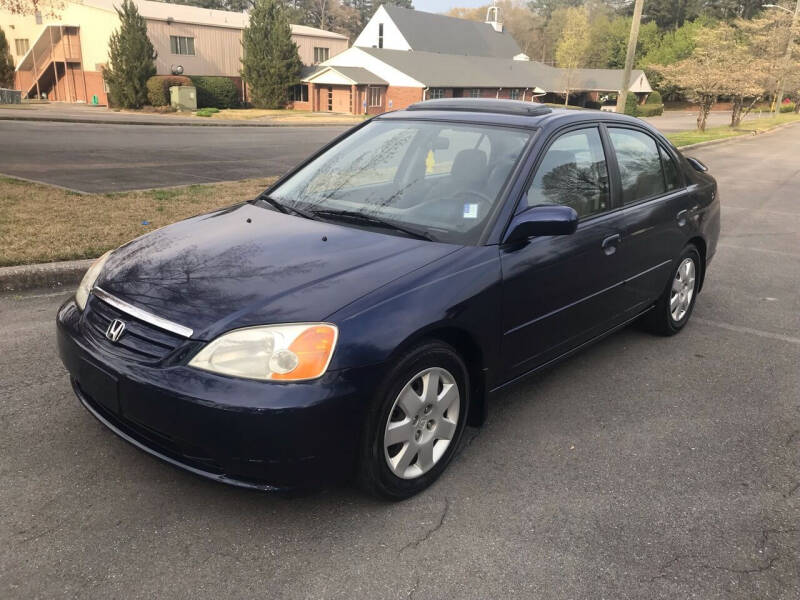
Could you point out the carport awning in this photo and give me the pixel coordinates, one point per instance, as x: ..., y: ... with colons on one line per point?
x: 344, y: 76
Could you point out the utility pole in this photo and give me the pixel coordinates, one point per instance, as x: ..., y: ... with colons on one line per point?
x: 634, y: 37
x: 787, y: 57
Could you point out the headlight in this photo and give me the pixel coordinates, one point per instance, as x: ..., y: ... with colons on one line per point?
x: 274, y: 352
x: 87, y: 283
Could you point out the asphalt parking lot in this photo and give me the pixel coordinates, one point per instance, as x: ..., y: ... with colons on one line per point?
x: 642, y: 468
x: 111, y: 158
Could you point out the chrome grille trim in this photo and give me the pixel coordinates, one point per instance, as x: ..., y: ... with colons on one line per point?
x: 142, y: 315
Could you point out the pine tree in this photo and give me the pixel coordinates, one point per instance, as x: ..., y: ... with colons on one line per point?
x: 6, y: 63
x: 271, y: 63
x: 131, y: 59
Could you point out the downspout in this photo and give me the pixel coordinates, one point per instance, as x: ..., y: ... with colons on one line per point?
x: 425, y: 93
x: 523, y: 94
x: 497, y: 95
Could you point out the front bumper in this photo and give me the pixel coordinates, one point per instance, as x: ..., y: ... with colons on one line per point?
x: 262, y: 435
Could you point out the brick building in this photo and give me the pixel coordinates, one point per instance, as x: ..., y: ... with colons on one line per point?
x: 403, y: 56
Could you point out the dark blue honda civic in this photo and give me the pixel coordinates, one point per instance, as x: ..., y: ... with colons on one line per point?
x: 352, y: 319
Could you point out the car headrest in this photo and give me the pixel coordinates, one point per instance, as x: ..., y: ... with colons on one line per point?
x: 470, y: 165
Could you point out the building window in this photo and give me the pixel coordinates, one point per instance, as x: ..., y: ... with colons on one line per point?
x: 514, y: 94
x: 22, y: 47
x: 299, y: 93
x: 181, y: 45
x: 475, y: 93
x: 375, y: 96
x: 321, y: 55
x: 38, y: 17
x: 435, y: 93
x: 380, y: 35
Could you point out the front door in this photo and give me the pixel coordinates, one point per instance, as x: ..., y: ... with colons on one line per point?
x: 560, y: 291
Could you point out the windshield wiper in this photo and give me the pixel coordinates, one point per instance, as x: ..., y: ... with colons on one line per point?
x: 281, y: 207
x: 347, y: 215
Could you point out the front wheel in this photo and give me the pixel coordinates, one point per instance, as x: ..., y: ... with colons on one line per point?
x: 673, y: 309
x: 416, y: 422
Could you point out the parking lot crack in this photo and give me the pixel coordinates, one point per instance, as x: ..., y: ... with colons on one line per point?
x: 416, y: 543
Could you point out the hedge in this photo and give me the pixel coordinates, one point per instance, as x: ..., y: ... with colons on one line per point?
x: 216, y: 92
x: 654, y: 98
x: 649, y: 110
x: 788, y: 107
x: 158, y: 88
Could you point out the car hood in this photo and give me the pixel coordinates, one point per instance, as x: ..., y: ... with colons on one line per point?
x: 249, y: 265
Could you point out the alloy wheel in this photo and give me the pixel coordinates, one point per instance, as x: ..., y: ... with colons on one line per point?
x: 422, y: 423
x: 680, y: 299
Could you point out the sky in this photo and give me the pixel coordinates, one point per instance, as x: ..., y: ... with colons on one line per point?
x: 440, y: 6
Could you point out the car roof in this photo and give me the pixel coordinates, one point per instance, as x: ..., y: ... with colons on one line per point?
x: 515, y: 113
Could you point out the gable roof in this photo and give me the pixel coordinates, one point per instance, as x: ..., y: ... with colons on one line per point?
x: 428, y: 32
x: 456, y: 70
x: 356, y: 75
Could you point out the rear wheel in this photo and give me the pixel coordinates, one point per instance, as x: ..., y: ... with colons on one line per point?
x: 415, y: 425
x: 674, y: 307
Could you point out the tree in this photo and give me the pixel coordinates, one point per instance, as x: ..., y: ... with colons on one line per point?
x: 6, y: 63
x: 270, y: 64
x: 574, y: 44
x: 30, y: 7
x: 708, y: 72
x: 131, y: 59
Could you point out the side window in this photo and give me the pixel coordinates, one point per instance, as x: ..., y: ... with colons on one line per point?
x: 671, y: 176
x: 573, y: 172
x: 639, y: 164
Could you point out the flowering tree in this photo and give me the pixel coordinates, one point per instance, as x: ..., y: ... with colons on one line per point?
x: 722, y: 63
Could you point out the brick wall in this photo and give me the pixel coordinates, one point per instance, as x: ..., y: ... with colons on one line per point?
x: 401, y: 97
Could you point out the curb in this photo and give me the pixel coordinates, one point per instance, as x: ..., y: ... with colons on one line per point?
x: 45, y: 275
x: 736, y: 138
x: 167, y: 123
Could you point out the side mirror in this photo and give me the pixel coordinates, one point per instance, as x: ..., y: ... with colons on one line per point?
x: 696, y: 164
x: 554, y: 219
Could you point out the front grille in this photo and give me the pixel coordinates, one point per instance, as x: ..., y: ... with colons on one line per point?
x: 141, y: 341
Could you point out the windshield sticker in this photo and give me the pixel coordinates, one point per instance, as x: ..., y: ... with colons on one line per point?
x: 470, y: 211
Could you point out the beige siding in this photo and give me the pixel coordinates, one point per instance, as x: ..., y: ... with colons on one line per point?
x: 218, y: 50
x: 306, y: 45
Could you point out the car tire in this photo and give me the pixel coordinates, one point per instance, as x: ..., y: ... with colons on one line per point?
x: 411, y: 430
x: 674, y: 308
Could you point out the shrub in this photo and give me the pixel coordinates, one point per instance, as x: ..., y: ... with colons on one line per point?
x: 593, y: 105
x: 158, y: 88
x: 216, y: 92
x: 653, y: 98
x: 631, y: 104
x: 787, y: 107
x: 649, y: 110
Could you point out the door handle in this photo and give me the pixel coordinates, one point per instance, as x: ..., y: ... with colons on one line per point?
x: 610, y: 244
x: 681, y: 217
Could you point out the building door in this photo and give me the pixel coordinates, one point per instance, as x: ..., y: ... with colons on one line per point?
x: 458, y: 92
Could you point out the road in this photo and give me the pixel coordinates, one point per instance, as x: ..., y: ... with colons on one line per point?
x: 683, y: 120
x: 111, y: 158
x: 644, y: 467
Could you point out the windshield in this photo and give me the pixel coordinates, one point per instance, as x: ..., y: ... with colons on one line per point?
x: 436, y: 180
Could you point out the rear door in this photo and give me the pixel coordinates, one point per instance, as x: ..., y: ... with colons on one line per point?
x: 559, y: 291
x: 656, y: 208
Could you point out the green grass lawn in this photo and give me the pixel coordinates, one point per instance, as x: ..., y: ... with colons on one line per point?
x: 685, y: 138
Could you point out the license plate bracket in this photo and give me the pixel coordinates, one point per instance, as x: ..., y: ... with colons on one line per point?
x: 100, y: 385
